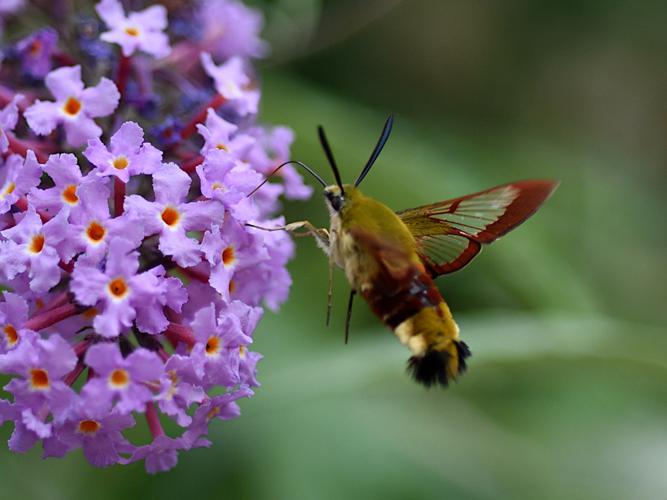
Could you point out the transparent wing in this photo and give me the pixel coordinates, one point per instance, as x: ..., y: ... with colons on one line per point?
x: 450, y: 233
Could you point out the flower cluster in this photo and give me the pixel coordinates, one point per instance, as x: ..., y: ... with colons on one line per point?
x: 131, y: 281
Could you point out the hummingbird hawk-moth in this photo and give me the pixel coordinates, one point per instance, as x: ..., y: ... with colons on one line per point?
x: 391, y: 258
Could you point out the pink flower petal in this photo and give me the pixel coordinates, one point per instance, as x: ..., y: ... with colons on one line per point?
x: 102, y: 99
x: 111, y: 12
x: 65, y: 82
x: 43, y: 117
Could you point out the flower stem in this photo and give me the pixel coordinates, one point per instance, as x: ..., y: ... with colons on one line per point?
x: 21, y: 147
x: 22, y: 205
x: 64, y: 59
x: 58, y: 300
x: 153, y: 420
x: 191, y: 165
x: 81, y: 347
x: 191, y: 126
x: 164, y: 355
x: 123, y: 72
x: 176, y: 332
x: 68, y: 267
x: 71, y: 377
x: 118, y: 196
x: 194, y: 274
x: 50, y: 317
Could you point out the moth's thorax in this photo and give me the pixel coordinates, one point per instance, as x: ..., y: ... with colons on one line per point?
x: 358, y: 213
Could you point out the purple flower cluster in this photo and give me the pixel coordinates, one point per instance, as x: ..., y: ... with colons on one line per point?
x: 131, y: 282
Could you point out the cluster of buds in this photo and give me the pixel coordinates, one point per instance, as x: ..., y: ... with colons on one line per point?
x: 131, y: 279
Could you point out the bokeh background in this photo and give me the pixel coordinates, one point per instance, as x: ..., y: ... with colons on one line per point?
x: 566, y: 394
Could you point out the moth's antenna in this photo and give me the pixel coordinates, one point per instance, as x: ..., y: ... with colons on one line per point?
x: 378, y: 148
x: 308, y: 169
x: 330, y: 157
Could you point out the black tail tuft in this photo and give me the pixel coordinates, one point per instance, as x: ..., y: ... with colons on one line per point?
x: 434, y: 366
x: 462, y: 352
x: 430, y: 368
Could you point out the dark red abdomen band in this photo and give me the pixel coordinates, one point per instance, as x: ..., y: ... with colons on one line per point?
x: 406, y: 299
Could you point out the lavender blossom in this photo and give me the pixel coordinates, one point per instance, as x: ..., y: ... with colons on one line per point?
x: 118, y: 291
x: 9, y: 116
x: 17, y: 177
x: 75, y: 106
x: 139, y: 30
x: 13, y: 314
x: 11, y: 6
x: 93, y: 428
x: 126, y: 379
x: 32, y: 247
x: 128, y: 154
x: 171, y: 217
x: 132, y: 283
x: 229, y: 28
x: 35, y: 52
x: 70, y: 187
x: 233, y: 83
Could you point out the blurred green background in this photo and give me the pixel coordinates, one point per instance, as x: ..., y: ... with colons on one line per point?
x: 565, y: 396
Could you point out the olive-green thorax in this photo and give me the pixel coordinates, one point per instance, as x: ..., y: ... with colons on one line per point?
x: 361, y: 215
x: 374, y: 217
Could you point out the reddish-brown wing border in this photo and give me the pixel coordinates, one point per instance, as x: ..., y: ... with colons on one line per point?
x: 480, y: 217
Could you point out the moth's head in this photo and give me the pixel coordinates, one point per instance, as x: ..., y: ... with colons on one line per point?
x: 336, y: 198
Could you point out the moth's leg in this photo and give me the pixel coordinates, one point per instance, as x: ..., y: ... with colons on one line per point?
x: 330, y: 291
x: 321, y: 234
x: 349, y: 315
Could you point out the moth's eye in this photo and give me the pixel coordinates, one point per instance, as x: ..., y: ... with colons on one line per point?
x: 336, y: 202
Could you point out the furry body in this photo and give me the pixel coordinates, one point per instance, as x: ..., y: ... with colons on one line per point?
x: 379, y: 257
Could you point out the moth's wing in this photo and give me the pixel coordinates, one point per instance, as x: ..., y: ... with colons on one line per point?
x: 391, y: 264
x: 450, y: 233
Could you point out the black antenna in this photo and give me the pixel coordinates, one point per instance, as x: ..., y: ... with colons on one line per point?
x: 330, y: 157
x: 378, y: 148
x: 308, y: 169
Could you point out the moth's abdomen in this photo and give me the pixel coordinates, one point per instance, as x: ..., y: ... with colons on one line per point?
x: 416, y: 293
x: 415, y: 310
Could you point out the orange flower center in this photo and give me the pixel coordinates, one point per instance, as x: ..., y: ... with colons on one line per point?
x: 39, y: 379
x: 120, y: 163
x: 228, y: 256
x: 89, y: 426
x: 170, y: 216
x: 119, y: 378
x: 95, y: 232
x: 11, y: 334
x: 221, y: 147
x: 118, y: 288
x: 69, y: 195
x: 35, y: 47
x: 232, y: 286
x: 37, y: 243
x: 72, y: 106
x: 213, y: 346
x: 242, y: 351
x: 212, y: 413
x: 89, y: 313
x: 218, y: 186
x: 8, y: 190
x: 132, y: 31
x: 173, y: 387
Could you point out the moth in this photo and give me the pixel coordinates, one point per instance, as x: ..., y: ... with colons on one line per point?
x: 391, y: 258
